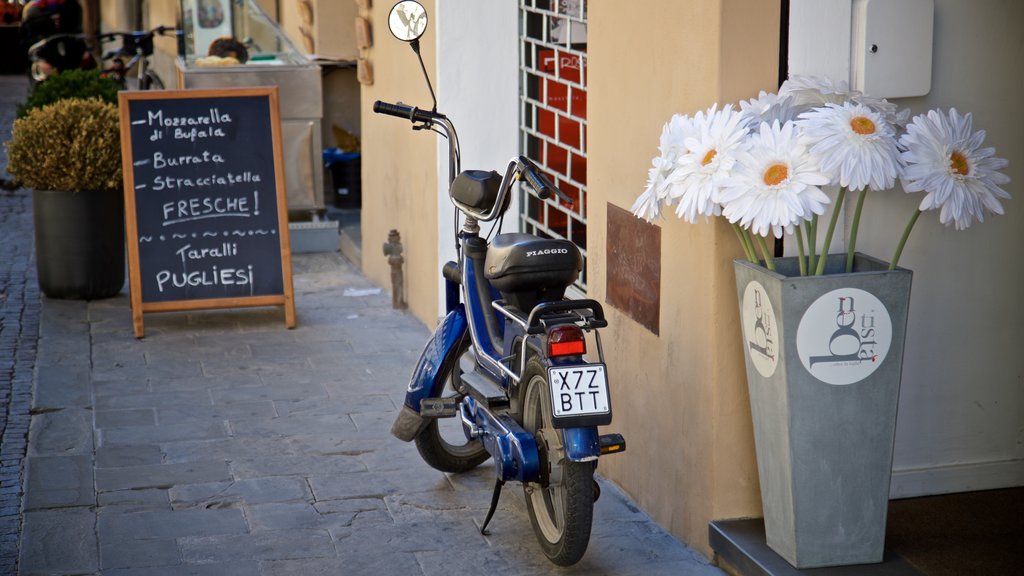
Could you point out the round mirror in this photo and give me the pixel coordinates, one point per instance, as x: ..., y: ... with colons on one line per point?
x: 408, y: 20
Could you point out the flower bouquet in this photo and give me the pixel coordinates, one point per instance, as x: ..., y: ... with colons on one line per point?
x: 823, y: 348
x: 763, y: 166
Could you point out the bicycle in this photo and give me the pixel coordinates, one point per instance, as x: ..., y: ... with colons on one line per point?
x: 136, y: 47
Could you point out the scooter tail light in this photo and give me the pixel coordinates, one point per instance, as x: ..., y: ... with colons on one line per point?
x: 566, y: 340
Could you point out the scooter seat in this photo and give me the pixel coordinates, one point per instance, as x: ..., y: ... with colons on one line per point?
x: 518, y: 263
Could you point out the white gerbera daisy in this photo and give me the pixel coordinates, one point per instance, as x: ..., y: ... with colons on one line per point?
x: 856, y: 145
x: 767, y: 108
x: 944, y: 158
x: 775, y: 183
x: 807, y: 92
x: 718, y: 135
x: 672, y: 145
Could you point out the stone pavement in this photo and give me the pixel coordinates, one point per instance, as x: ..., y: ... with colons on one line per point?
x: 19, y: 333
x: 225, y: 444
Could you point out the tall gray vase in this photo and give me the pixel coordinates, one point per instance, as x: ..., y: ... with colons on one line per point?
x: 824, y: 356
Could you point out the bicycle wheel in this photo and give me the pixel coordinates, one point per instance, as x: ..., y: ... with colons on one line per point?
x: 561, y: 504
x: 150, y: 81
x: 443, y: 444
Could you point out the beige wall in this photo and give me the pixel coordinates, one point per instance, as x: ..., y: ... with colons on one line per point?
x: 331, y: 32
x: 681, y: 397
x: 400, y: 167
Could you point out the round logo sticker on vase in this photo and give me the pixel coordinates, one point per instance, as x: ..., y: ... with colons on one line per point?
x: 759, y: 327
x: 844, y: 336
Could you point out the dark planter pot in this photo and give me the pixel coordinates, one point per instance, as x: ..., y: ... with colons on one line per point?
x: 79, y: 243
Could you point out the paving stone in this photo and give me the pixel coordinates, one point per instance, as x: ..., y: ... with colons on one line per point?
x: 290, y: 516
x: 267, y: 392
x: 267, y: 545
x: 198, y: 415
x: 61, y: 387
x: 160, y: 476
x: 64, y: 432
x: 135, y: 500
x: 152, y: 399
x: 128, y: 455
x: 116, y: 526
x: 113, y: 388
x: 296, y: 465
x: 483, y: 559
x: 401, y: 563
x: 156, y: 434
x: 151, y: 372
x: 240, y: 448
x: 138, y: 554
x: 374, y: 424
x: 110, y: 356
x: 64, y: 350
x: 372, y: 484
x: 122, y: 418
x: 294, y: 426
x: 213, y: 367
x: 394, y: 537
x: 231, y: 348
x: 249, y: 491
x: 59, y: 481
x: 354, y: 511
x: 345, y: 404
x: 59, y: 542
x: 388, y: 455
x: 236, y: 568
x: 209, y: 382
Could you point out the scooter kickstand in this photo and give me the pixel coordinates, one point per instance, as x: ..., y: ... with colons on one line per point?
x: 494, y: 505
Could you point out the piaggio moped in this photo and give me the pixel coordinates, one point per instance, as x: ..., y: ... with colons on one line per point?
x: 506, y: 365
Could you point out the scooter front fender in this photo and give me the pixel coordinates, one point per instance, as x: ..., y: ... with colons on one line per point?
x: 426, y: 378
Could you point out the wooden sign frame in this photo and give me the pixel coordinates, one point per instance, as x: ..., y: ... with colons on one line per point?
x: 138, y: 304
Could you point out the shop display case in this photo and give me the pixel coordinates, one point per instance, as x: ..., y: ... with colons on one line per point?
x: 272, y: 61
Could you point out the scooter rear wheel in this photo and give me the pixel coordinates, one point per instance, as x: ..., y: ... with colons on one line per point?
x: 561, y: 505
x: 442, y: 444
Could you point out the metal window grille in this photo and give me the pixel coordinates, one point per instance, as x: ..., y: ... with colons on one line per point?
x: 553, y: 115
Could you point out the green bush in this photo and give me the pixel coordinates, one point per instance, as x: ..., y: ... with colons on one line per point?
x: 78, y: 84
x: 70, y: 146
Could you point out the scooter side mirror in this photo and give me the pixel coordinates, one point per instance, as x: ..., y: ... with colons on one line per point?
x: 408, y: 20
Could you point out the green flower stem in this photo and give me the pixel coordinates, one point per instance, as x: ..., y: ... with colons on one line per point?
x: 800, y: 248
x: 812, y: 243
x: 769, y: 262
x: 903, y: 239
x: 853, y: 229
x: 831, y: 230
x: 750, y: 245
x: 744, y: 241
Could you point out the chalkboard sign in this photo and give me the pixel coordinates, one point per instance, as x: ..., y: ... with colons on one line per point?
x: 206, y: 214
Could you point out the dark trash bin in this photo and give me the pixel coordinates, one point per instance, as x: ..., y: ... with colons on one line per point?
x: 346, y: 173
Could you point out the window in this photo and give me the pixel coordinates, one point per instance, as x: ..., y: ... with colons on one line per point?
x: 553, y: 115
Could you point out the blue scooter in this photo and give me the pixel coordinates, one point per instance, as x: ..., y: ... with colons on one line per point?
x: 506, y: 365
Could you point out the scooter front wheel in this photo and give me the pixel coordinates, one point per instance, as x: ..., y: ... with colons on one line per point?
x: 561, y: 505
x: 443, y: 444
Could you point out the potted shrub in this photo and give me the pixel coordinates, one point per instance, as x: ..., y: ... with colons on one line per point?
x: 822, y: 333
x: 69, y: 154
x: 77, y: 84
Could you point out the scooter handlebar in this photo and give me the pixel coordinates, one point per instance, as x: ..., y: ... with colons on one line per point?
x: 536, y: 179
x: 410, y: 113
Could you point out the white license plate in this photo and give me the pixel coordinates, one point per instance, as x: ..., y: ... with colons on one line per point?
x: 580, y: 390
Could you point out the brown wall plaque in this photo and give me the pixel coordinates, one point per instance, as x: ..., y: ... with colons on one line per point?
x: 634, y: 267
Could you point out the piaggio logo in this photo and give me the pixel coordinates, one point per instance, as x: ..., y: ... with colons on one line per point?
x: 545, y: 252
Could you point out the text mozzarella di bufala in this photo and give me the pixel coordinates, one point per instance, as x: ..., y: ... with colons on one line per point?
x: 200, y: 185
